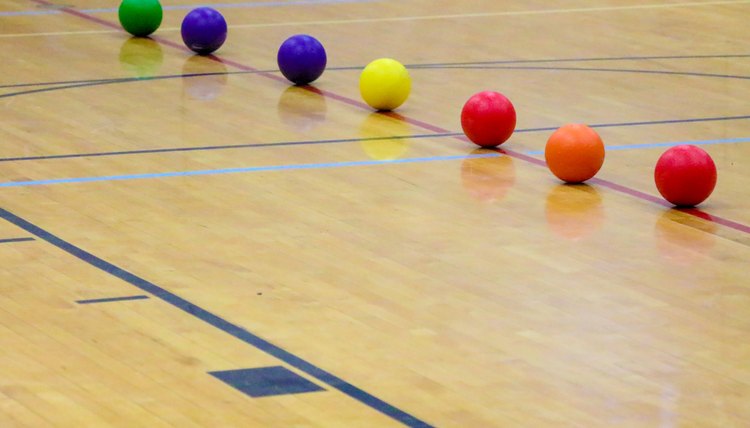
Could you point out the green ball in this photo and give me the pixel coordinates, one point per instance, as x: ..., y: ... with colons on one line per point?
x: 140, y: 17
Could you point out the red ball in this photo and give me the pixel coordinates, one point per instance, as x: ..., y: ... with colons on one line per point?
x: 488, y: 119
x: 685, y: 175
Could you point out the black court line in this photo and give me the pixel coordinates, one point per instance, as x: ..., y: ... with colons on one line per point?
x: 111, y: 299
x: 590, y: 69
x: 223, y: 147
x: 415, y: 66
x: 130, y: 79
x: 99, y: 82
x: 9, y: 240
x: 586, y: 59
x: 669, y: 121
x: 351, y: 140
x: 59, y: 88
x: 220, y: 323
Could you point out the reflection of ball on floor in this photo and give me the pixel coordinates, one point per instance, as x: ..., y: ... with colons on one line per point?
x: 385, y: 150
x: 141, y: 57
x: 574, y: 212
x: 685, y: 175
x: 301, y: 109
x: 375, y: 130
x: 488, y: 179
x: 681, y: 243
x: 206, y: 87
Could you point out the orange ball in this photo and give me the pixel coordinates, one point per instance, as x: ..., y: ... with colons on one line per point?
x: 574, y: 153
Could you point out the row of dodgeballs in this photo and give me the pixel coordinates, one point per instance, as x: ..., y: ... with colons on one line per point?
x: 384, y: 84
x: 203, y: 29
x: 685, y: 175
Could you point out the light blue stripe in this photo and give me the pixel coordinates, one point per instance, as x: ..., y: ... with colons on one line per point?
x: 193, y: 6
x: 237, y: 170
x: 670, y: 144
x: 28, y: 12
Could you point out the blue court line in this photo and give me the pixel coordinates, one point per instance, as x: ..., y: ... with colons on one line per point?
x: 247, y: 5
x: 9, y: 240
x: 669, y: 144
x: 111, y: 299
x: 29, y: 12
x: 237, y: 170
x: 218, y: 322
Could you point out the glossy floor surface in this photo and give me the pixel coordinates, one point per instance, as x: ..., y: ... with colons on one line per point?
x: 189, y: 241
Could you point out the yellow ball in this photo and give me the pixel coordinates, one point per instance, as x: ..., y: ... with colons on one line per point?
x: 384, y: 84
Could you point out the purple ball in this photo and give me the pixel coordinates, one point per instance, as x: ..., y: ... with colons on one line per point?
x: 204, y: 30
x: 301, y: 59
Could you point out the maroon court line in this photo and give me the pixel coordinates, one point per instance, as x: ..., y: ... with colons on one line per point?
x: 243, y: 67
x: 424, y: 125
x: 696, y: 212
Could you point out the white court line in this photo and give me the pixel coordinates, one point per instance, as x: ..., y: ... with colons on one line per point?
x: 494, y: 14
x: 421, y: 18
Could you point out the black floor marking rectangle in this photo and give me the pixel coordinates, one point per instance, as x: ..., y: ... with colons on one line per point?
x: 266, y: 381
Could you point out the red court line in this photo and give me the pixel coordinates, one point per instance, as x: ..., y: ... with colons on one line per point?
x: 718, y: 220
x: 327, y: 94
x: 240, y: 66
x: 424, y: 125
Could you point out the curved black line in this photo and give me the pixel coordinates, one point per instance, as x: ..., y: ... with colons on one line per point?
x: 586, y: 59
x: 605, y: 70
x: 87, y: 83
x: 123, y: 79
x: 84, y: 83
x: 225, y: 147
x: 97, y: 82
x: 147, y: 78
x: 412, y: 66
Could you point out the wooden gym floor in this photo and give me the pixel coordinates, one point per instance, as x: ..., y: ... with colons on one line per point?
x: 189, y: 241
